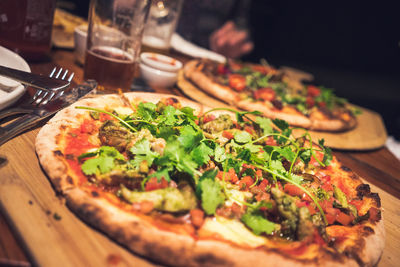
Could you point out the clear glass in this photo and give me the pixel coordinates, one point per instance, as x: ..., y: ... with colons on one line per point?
x: 26, y: 26
x: 113, y: 44
x: 160, y: 25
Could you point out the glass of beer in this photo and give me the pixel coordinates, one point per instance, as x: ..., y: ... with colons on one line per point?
x: 114, y: 41
x: 26, y: 26
x: 160, y: 25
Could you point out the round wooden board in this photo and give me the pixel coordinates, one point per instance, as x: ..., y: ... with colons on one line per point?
x: 370, y: 132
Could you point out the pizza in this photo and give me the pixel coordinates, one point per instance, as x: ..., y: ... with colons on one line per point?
x: 186, y: 185
x: 260, y: 87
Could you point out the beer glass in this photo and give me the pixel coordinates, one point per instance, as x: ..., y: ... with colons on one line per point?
x: 114, y: 41
x: 160, y: 25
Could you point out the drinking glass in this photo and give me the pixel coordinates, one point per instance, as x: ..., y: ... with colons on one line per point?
x: 160, y: 25
x: 26, y: 26
x: 114, y: 41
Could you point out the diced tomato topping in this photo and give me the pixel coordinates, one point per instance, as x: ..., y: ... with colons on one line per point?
x: 88, y: 126
x: 320, y: 157
x: 236, y: 209
x: 222, y: 69
x: 229, y: 176
x: 293, y: 190
x: 197, y: 217
x: 260, y: 68
x: 208, y: 118
x: 263, y: 185
x: 104, y: 117
x: 153, y: 184
x: 310, y: 102
x: 322, y: 104
x: 271, y: 141
x: 345, y: 189
x: 357, y: 203
x: 267, y: 94
x: 245, y: 182
x: 247, y: 166
x: 374, y: 214
x: 330, y: 218
x: 327, y: 187
x: 313, y: 91
x: 343, y: 218
x: 318, y: 238
x: 263, y: 196
x: 237, y: 82
x: 249, y: 129
x: 227, y: 135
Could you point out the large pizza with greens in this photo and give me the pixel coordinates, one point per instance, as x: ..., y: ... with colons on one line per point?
x: 185, y: 185
x: 251, y: 87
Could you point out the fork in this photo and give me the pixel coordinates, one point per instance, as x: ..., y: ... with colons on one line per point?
x: 40, y: 98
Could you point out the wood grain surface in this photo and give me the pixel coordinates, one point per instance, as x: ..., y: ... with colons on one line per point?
x: 45, y: 232
x: 370, y: 132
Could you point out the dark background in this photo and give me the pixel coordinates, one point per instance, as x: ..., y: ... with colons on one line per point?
x: 350, y: 46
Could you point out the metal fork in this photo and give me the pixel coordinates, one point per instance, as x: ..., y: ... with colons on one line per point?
x: 40, y: 98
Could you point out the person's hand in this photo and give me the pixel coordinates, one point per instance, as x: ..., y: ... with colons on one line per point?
x: 230, y: 41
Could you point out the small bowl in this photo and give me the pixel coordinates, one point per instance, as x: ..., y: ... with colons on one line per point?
x: 156, y: 77
x: 160, y: 62
x: 80, y: 35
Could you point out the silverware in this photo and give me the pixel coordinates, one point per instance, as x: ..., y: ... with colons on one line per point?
x: 38, y: 81
x: 40, y: 98
x: 43, y: 97
x: 39, y: 113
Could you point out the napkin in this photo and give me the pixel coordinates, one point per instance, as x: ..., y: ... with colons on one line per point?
x: 185, y: 47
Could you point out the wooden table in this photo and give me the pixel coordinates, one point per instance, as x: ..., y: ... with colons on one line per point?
x: 32, y: 233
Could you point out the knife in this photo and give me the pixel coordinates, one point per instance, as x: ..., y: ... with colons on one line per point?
x: 38, y: 81
x: 27, y: 121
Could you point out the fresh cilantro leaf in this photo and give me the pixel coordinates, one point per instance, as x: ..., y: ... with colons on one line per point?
x: 142, y: 151
x: 277, y: 165
x: 104, y: 162
x: 242, y: 137
x: 169, y: 115
x: 265, y: 124
x: 286, y: 152
x: 295, y: 178
x: 189, y: 138
x: 189, y: 113
x: 305, y: 156
x: 252, y: 148
x: 201, y: 154
x: 90, y: 166
x: 245, y: 155
x: 257, y: 223
x: 146, y: 111
x: 176, y: 155
x: 209, y: 191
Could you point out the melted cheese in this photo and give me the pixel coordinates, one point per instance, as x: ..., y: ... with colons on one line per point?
x: 231, y: 230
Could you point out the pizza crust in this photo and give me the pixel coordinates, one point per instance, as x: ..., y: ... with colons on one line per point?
x: 193, y: 73
x: 139, y: 235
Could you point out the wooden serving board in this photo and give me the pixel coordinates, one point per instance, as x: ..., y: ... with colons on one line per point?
x: 370, y: 132
x: 54, y: 236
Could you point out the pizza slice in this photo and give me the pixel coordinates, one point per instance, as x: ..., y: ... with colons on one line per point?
x: 260, y: 87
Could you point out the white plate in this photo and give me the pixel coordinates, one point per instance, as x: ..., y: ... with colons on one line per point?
x: 12, y: 60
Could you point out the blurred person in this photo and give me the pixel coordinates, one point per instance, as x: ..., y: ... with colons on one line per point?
x: 221, y: 26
